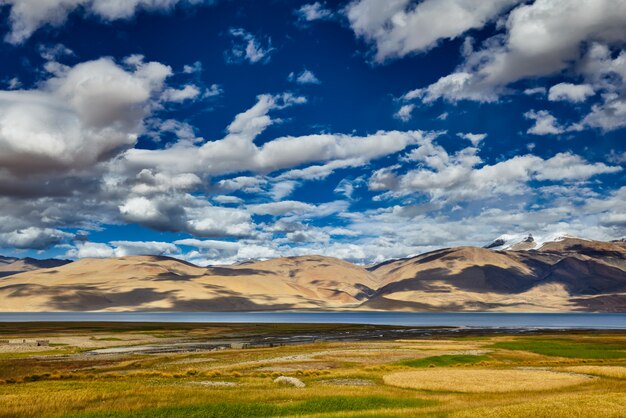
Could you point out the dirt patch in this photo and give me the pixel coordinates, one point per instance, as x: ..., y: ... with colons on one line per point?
x: 215, y: 384
x: 348, y: 382
x: 192, y: 361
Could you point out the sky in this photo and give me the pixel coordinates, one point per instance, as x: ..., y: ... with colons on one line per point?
x: 221, y: 131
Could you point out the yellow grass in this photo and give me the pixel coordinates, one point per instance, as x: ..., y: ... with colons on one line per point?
x: 560, y: 406
x: 483, y: 380
x: 512, y: 383
x: 609, y: 371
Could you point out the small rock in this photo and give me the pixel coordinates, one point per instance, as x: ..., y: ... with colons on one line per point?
x: 292, y: 381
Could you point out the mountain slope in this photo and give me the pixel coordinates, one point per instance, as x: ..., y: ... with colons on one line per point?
x: 570, y: 274
x: 10, y: 265
x: 161, y: 283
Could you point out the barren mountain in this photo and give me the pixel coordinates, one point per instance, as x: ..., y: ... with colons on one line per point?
x: 161, y: 283
x: 11, y: 265
x: 570, y: 274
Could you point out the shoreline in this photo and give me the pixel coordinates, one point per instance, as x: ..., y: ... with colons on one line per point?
x: 456, y: 320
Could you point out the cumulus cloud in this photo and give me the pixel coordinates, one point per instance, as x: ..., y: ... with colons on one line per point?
x: 246, y: 47
x: 401, y: 27
x: 188, y: 92
x: 185, y: 213
x: 463, y: 176
x: 545, y: 123
x: 575, y: 93
x: 305, y: 77
x: 27, y: 16
x: 540, y: 38
x: 78, y: 117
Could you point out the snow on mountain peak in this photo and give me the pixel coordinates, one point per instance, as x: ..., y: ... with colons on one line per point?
x: 524, y: 242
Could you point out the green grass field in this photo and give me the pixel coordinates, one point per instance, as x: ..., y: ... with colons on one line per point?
x: 445, y: 360
x: 577, y: 374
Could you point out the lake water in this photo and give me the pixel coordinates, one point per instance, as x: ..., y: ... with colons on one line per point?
x: 417, y: 319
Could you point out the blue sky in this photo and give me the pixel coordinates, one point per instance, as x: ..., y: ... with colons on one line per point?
x: 218, y: 131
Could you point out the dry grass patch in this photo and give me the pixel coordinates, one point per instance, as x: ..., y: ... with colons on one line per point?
x: 562, y: 405
x: 608, y: 371
x: 483, y: 380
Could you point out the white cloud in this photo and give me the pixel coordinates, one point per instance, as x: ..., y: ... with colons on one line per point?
x: 319, y: 172
x: 214, y: 90
x: 305, y: 77
x: 126, y: 248
x: 188, y: 92
x: 228, y: 200
x: 246, y: 47
x: 237, y: 152
x: 541, y: 38
x: 282, y: 189
x: 347, y: 186
x: 607, y: 116
x: 535, y: 90
x: 54, y: 52
x: 29, y: 15
x: 475, y: 139
x: 186, y: 213
x: 208, y: 244
x: 404, y: 113
x: 575, y: 93
x: 311, y: 235
x: 314, y: 11
x: 567, y: 166
x: 91, y: 250
x: 148, y: 182
x: 244, y: 183
x: 195, y: 68
x: 453, y: 87
x: 122, y: 249
x: 81, y: 115
x: 463, y: 176
x: 401, y: 27
x: 281, y: 208
x: 14, y: 83
x: 545, y: 123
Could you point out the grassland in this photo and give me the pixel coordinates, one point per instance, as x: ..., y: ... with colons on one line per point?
x: 552, y: 375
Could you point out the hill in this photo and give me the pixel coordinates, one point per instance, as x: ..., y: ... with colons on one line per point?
x: 569, y: 274
x: 161, y: 283
x: 11, y: 265
x: 565, y: 275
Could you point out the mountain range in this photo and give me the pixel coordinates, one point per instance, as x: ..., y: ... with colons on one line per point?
x: 563, y: 274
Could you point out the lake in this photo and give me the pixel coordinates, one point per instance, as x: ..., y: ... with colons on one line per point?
x: 417, y: 319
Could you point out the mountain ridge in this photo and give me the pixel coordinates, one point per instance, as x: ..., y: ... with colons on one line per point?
x: 571, y: 274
